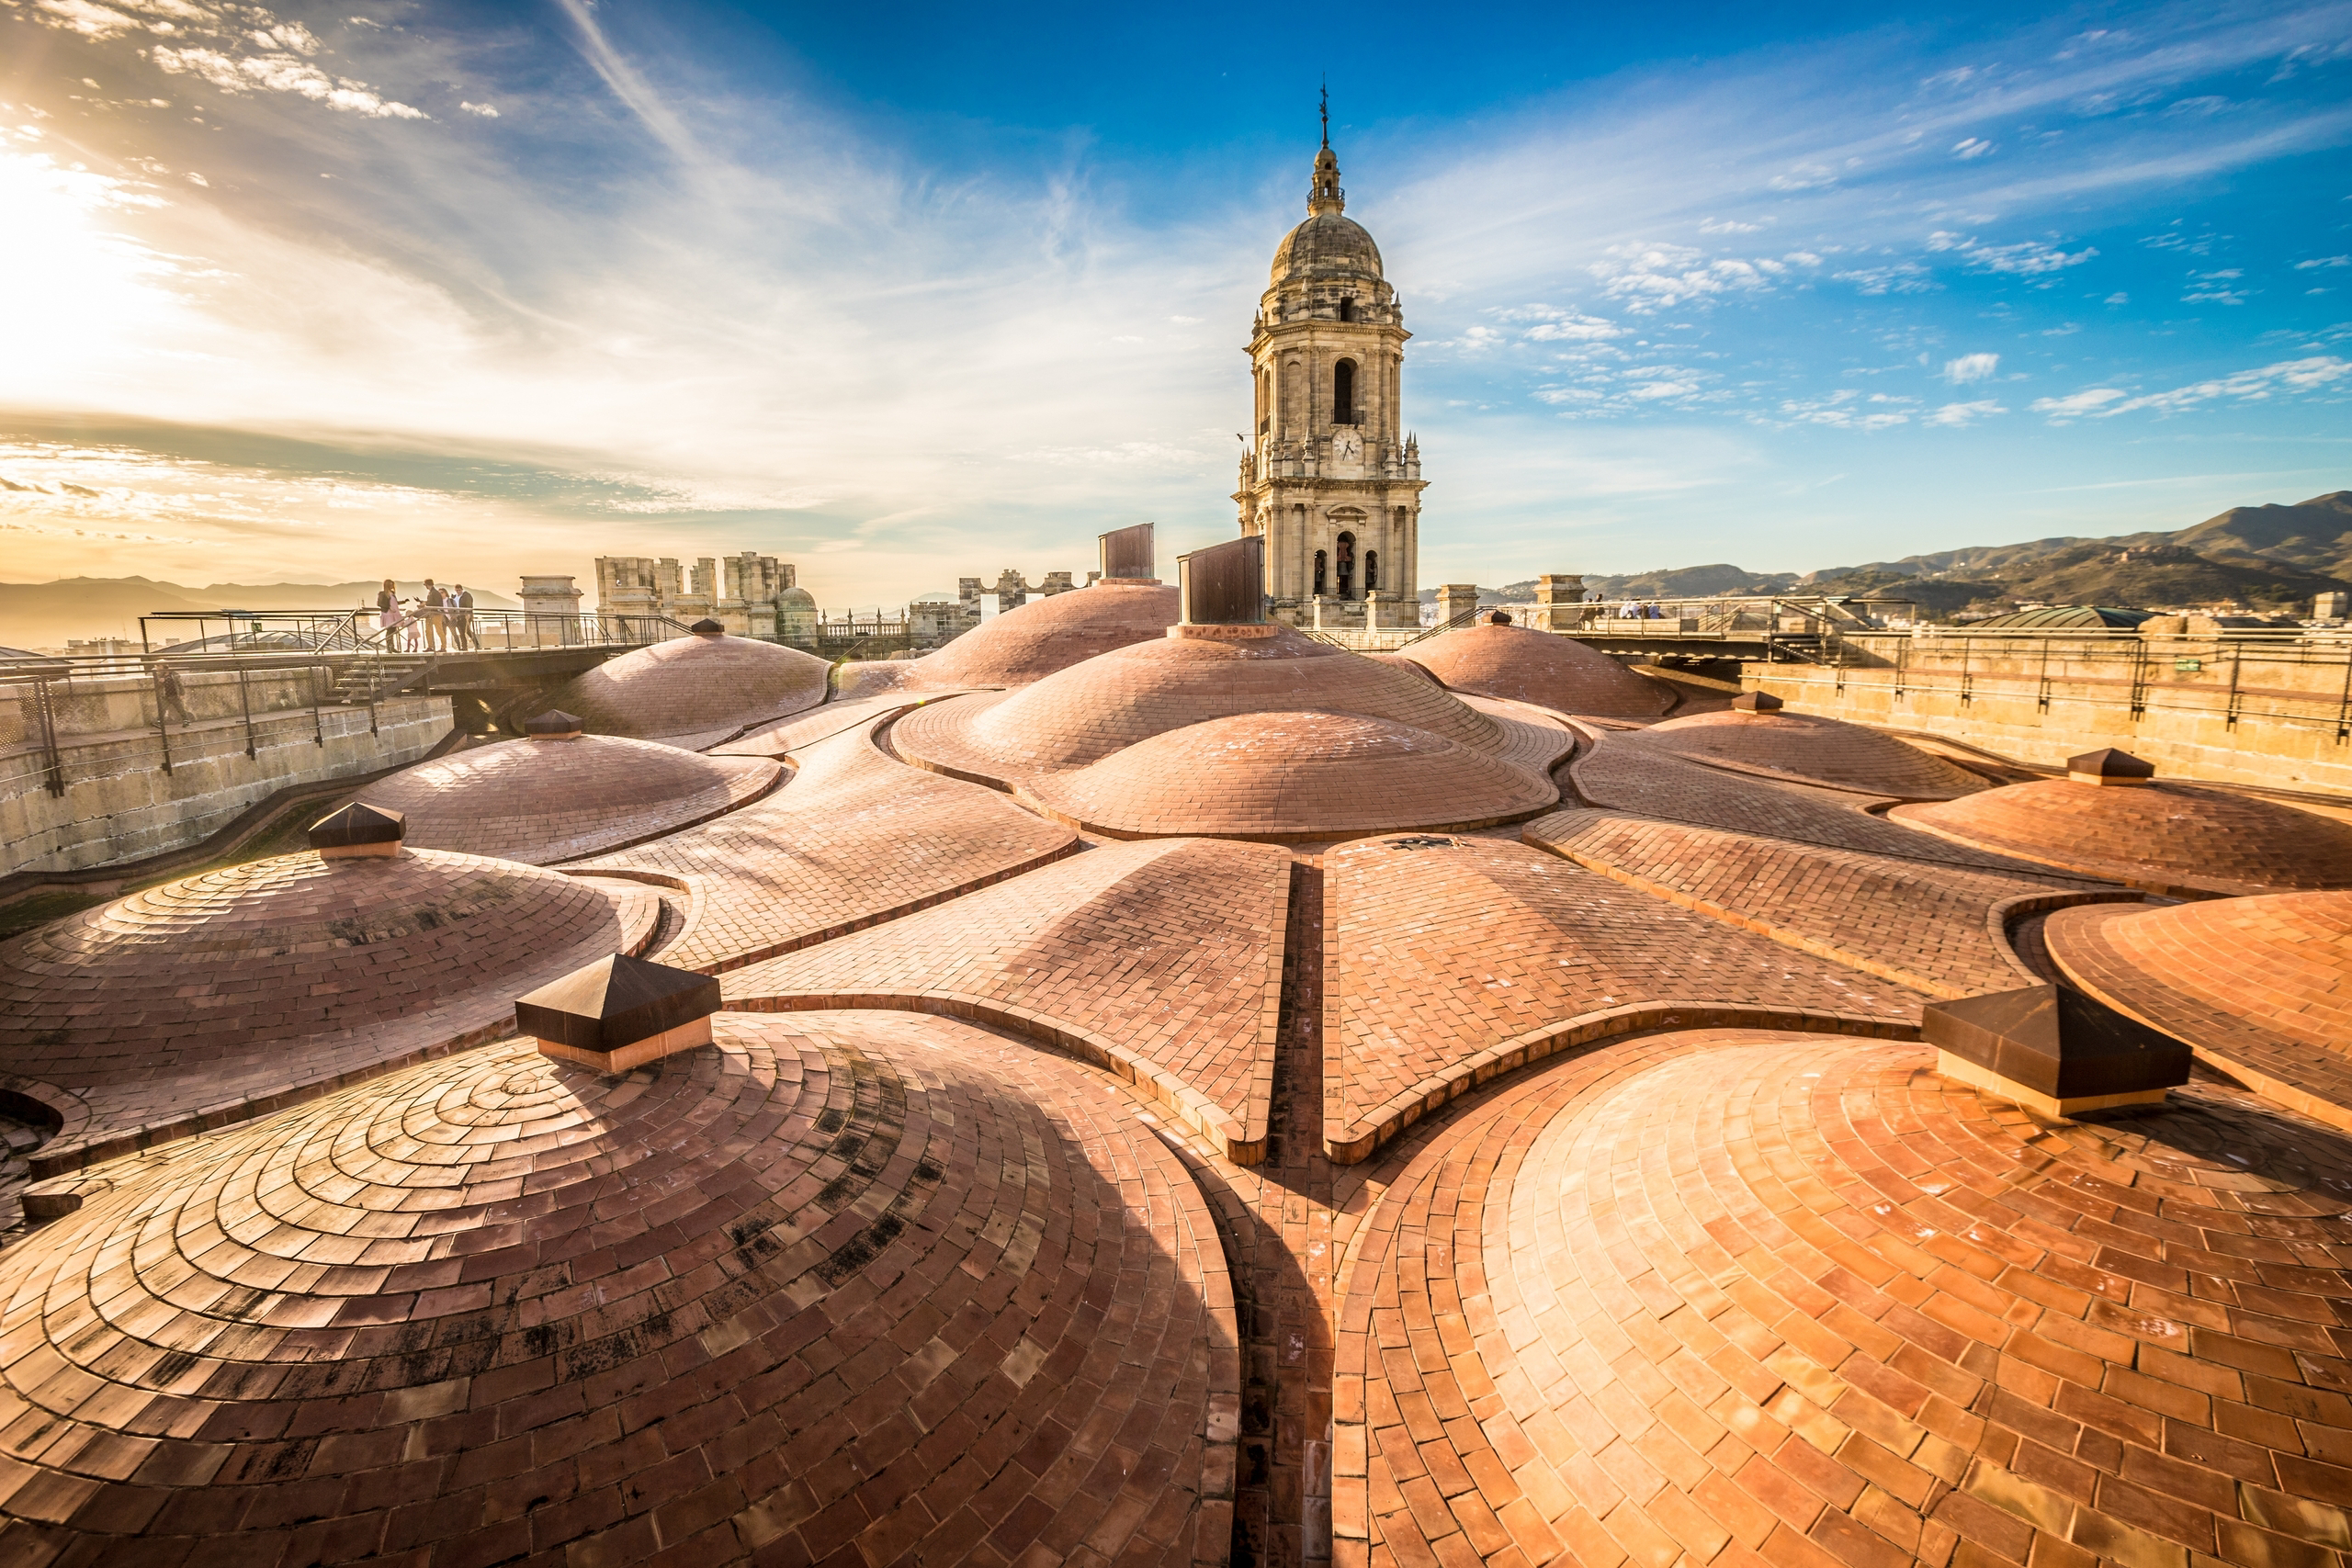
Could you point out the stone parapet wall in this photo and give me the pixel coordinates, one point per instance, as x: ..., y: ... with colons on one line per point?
x: 120, y: 802
x: 2276, y: 713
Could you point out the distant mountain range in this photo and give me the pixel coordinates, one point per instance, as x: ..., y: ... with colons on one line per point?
x: 2273, y: 557
x: 45, y: 614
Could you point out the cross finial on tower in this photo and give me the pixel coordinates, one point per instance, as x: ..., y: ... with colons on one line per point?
x: 1326, y: 111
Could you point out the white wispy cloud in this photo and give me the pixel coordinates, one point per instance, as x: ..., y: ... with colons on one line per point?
x: 1893, y: 278
x: 2027, y: 258
x: 1971, y: 368
x: 1649, y: 278
x: 235, y: 46
x: 769, y: 309
x: 2312, y: 373
x: 276, y: 72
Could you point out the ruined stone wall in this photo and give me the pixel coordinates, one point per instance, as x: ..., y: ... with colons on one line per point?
x: 119, y: 800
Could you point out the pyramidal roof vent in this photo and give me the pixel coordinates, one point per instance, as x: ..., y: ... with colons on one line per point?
x: 707, y: 627
x: 358, y: 829
x: 2054, y: 1050
x: 2109, y: 766
x: 619, y: 1012
x: 553, y: 724
x: 1757, y: 702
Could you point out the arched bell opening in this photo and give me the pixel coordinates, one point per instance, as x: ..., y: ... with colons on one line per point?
x: 1346, y: 566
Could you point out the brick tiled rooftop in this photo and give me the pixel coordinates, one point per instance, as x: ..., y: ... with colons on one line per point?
x: 703, y: 687
x: 1933, y: 928
x: 1085, y: 713
x: 543, y: 801
x: 839, y: 1282
x: 1811, y: 750
x: 1724, y: 1298
x: 2262, y: 987
x: 2168, y: 838
x: 1572, y: 1192
x: 1291, y: 778
x: 1042, y: 636
x: 1617, y: 773
x: 1160, y: 960
x: 1536, y: 667
x: 1449, y: 960
x: 219, y: 996
x: 853, y: 839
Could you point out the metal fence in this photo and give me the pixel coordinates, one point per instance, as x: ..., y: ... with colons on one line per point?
x: 356, y: 631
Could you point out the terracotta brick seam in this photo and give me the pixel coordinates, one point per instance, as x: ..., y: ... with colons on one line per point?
x: 1021, y: 798
x: 2130, y: 876
x: 1749, y: 770
x: 65, y: 1113
x: 777, y: 781
x: 849, y: 927
x: 2001, y: 916
x: 1221, y: 1430
x: 63, y: 1154
x: 2270, y: 1086
x: 791, y: 754
x: 689, y: 889
x: 63, y: 1158
x: 1240, y: 1143
x: 1383, y: 1121
x: 762, y: 722
x: 1997, y: 919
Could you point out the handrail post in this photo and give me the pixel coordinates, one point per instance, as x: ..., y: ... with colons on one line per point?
x: 54, y: 763
x: 245, y: 700
x: 163, y: 714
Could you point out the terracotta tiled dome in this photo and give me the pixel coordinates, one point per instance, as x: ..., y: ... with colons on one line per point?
x: 1046, y: 635
x: 694, y: 686
x: 218, y: 992
x: 2262, y: 986
x: 2164, y: 837
x: 1812, y: 749
x: 856, y: 1283
x: 543, y: 801
x: 1729, y: 1297
x: 1091, y: 710
x: 1528, y: 666
x: 1291, y: 777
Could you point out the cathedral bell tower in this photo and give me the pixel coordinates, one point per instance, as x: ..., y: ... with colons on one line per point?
x: 1327, y: 477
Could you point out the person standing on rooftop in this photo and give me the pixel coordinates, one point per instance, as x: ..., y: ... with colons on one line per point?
x: 388, y: 612
x: 437, y: 624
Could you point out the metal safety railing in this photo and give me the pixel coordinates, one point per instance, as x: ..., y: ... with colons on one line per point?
x: 360, y: 630
x: 2299, y: 675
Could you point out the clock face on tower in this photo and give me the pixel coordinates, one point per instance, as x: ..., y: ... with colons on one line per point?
x: 1347, y: 447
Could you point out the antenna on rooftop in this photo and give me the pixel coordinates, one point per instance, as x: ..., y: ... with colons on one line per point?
x: 1326, y: 111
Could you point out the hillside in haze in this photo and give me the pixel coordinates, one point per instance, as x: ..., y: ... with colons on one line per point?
x: 2270, y: 557
x: 44, y: 615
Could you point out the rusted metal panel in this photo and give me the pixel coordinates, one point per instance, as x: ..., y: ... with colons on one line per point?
x: 1129, y: 552
x: 1225, y: 584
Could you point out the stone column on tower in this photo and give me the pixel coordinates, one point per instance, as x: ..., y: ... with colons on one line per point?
x: 1329, y: 477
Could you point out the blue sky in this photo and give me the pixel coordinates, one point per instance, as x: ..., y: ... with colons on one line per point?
x: 301, y: 291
